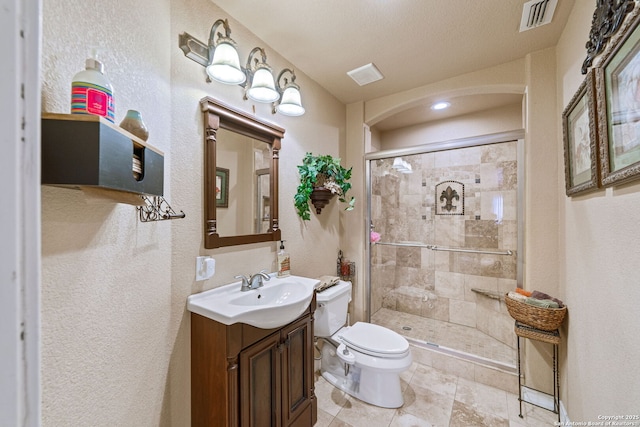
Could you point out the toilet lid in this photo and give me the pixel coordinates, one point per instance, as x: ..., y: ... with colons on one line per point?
x: 375, y: 339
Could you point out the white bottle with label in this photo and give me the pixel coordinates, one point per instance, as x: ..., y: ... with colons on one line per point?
x: 284, y: 262
x: 91, y: 91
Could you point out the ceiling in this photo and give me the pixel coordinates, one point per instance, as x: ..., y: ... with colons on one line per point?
x: 412, y: 42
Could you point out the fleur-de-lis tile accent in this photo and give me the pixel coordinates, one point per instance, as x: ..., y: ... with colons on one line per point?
x: 449, y: 194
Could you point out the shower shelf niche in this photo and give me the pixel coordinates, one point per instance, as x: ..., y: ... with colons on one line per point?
x: 489, y: 294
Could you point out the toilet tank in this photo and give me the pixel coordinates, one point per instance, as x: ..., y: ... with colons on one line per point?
x: 331, y: 310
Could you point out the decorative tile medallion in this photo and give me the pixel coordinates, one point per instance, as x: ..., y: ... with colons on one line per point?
x: 450, y: 198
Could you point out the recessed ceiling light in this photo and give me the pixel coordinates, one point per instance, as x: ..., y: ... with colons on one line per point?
x: 441, y: 105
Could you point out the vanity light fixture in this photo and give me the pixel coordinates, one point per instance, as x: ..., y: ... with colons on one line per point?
x: 224, y: 65
x: 441, y: 105
x: 291, y: 102
x: 263, y: 87
x: 220, y: 59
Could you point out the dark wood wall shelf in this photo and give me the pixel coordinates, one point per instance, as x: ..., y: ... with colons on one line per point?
x: 89, y: 151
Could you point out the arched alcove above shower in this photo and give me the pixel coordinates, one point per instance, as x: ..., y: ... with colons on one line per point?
x: 484, y: 102
x: 469, y: 115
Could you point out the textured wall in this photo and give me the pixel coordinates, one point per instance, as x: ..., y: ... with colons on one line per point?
x: 106, y: 285
x: 115, y: 329
x: 598, y: 238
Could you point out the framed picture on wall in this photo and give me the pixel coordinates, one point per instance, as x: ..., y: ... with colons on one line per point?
x: 222, y: 188
x: 618, y: 89
x: 580, y: 140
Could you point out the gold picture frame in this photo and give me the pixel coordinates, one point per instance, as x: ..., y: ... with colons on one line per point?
x: 618, y: 101
x: 579, y: 129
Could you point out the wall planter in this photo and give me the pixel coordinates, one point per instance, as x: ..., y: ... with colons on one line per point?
x: 321, y: 178
x: 320, y: 197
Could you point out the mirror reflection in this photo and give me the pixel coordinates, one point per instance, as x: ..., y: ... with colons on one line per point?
x: 242, y: 184
x: 263, y: 201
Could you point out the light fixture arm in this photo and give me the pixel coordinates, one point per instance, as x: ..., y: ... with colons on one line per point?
x: 254, y: 51
x: 286, y: 82
x: 214, y: 27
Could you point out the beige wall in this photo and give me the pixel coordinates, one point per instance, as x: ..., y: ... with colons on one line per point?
x: 115, y: 334
x: 107, y: 329
x: 598, y: 237
x: 485, y: 122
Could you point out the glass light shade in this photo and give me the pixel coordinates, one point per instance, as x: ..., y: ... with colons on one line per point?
x: 225, y: 65
x: 406, y: 167
x: 263, y: 87
x: 291, y: 104
x: 402, y: 166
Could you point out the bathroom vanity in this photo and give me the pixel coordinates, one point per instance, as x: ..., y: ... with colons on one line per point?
x: 242, y: 375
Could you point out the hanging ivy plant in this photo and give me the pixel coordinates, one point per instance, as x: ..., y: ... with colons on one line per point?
x: 321, y: 173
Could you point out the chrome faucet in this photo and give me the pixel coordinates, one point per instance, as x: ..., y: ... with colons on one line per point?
x: 254, y: 281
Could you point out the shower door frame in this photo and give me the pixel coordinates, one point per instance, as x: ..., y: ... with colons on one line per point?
x: 495, y: 138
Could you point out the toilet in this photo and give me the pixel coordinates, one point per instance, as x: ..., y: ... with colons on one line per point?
x: 364, y: 360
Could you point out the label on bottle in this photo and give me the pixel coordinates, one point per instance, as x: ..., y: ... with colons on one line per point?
x: 87, y: 98
x: 285, y: 266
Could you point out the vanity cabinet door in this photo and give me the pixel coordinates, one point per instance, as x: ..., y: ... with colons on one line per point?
x: 297, y: 374
x: 260, y: 383
x: 242, y: 376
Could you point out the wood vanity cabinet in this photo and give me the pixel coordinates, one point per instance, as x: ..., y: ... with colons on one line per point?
x: 251, y: 377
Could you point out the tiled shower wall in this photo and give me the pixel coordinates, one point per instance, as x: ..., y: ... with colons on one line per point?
x: 439, y: 284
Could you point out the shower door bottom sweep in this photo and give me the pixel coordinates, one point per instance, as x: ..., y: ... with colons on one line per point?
x: 448, y: 247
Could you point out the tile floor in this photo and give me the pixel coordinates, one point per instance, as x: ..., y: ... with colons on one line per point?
x: 432, y: 398
x: 446, y: 334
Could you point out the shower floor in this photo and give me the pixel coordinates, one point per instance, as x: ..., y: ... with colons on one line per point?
x: 444, y: 334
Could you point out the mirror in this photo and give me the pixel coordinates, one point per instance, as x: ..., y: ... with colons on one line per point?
x: 242, y: 185
x: 241, y: 177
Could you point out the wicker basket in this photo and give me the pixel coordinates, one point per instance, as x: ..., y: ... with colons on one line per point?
x: 546, y: 319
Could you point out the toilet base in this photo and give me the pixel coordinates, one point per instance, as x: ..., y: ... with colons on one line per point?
x: 376, y: 388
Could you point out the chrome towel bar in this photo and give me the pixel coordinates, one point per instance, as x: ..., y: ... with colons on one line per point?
x: 444, y: 248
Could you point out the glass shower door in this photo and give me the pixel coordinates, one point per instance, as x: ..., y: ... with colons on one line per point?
x: 448, y: 247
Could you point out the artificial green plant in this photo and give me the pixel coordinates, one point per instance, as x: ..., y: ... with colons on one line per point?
x: 321, y: 171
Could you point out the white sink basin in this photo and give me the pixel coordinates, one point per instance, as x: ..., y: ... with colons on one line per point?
x: 278, y: 302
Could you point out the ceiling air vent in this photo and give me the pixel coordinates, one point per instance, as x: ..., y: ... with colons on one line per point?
x: 366, y: 74
x: 536, y: 13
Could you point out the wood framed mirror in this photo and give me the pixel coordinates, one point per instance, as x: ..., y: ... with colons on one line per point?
x: 241, y: 176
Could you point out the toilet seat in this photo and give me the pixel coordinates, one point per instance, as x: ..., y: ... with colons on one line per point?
x: 375, y: 340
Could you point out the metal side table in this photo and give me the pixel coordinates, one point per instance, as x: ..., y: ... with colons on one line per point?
x: 551, y: 337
